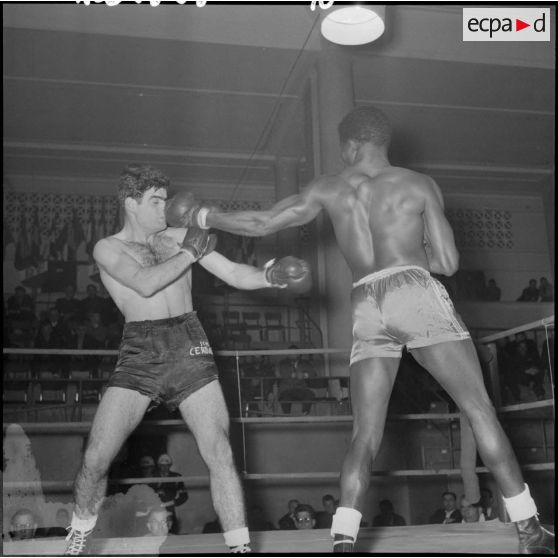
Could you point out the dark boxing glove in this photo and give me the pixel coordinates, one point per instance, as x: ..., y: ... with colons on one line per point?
x: 198, y: 242
x: 183, y: 210
x: 289, y: 272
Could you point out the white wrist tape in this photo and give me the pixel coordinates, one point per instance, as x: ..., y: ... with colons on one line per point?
x: 83, y: 524
x: 202, y: 218
x: 265, y: 268
x: 237, y: 537
x: 521, y: 507
x: 346, y: 521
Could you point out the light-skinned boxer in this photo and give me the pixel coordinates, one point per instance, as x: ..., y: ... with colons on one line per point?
x: 390, y: 226
x: 165, y: 356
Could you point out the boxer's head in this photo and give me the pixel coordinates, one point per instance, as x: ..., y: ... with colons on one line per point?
x: 366, y: 125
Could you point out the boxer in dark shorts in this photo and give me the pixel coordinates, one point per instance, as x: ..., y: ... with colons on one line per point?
x: 167, y: 359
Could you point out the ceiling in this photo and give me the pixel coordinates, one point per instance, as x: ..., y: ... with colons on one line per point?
x: 215, y: 95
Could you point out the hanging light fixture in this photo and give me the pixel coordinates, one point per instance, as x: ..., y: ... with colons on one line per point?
x: 354, y: 25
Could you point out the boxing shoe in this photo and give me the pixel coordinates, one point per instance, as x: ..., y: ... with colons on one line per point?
x: 240, y: 549
x: 343, y: 544
x: 78, y: 542
x: 533, y: 538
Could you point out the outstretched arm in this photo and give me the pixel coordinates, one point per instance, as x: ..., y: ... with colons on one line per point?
x: 292, y: 211
x: 441, y: 251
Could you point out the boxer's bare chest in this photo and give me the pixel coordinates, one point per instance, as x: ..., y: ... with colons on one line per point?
x: 158, y: 249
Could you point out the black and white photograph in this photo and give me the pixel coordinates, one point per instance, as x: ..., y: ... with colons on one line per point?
x: 278, y: 278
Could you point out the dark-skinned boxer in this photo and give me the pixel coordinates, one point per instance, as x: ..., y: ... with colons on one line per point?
x: 390, y: 226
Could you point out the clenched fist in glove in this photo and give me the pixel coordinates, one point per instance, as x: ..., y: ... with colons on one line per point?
x: 183, y: 210
x: 198, y: 242
x: 289, y: 272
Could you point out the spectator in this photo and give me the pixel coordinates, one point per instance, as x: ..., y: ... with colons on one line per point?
x: 546, y: 290
x: 506, y: 369
x: 68, y: 306
x: 60, y: 331
x: 257, y: 521
x: 287, y: 522
x: 449, y: 512
x: 20, y: 306
x: 23, y: 525
x: 79, y: 338
x: 325, y: 517
x: 96, y: 328
x: 387, y: 516
x: 547, y: 361
x: 159, y: 523
x: 471, y: 513
x: 292, y: 387
x: 62, y: 523
x: 487, y: 504
x: 492, y: 292
x: 171, y: 494
x: 530, y: 293
x: 305, y: 517
x: 92, y: 302
x: 528, y: 369
x: 46, y: 339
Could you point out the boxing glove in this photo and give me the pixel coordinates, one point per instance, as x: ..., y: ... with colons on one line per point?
x: 183, y: 210
x: 198, y: 242
x: 289, y: 273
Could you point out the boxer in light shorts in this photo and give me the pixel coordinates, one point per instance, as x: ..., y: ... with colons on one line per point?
x: 390, y: 226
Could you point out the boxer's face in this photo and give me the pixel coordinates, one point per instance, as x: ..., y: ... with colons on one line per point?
x: 150, y: 210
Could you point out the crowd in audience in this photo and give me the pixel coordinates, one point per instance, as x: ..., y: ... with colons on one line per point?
x: 544, y: 292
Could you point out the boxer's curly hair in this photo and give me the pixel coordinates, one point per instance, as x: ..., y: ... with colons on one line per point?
x: 136, y: 179
x: 366, y: 124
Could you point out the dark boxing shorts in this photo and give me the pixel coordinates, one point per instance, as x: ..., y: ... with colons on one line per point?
x: 401, y: 306
x: 167, y: 359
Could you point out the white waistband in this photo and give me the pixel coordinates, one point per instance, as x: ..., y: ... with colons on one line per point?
x: 386, y: 272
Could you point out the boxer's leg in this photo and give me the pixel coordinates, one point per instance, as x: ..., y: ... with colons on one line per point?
x: 456, y: 367
x: 118, y: 414
x: 205, y: 413
x: 372, y: 381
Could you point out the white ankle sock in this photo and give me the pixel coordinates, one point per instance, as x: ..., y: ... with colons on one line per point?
x: 237, y: 537
x: 522, y: 506
x: 346, y: 521
x: 83, y: 524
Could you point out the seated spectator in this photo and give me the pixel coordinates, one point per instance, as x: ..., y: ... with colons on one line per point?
x: 159, y: 523
x: 47, y: 339
x: 257, y: 520
x: 68, y: 306
x: 292, y: 387
x: 449, y: 512
x: 487, y: 504
x: 62, y: 524
x: 287, y: 522
x: 528, y: 369
x: 23, y: 525
x: 305, y: 517
x: 325, y: 517
x: 505, y: 351
x: 546, y: 290
x: 492, y: 292
x: 96, y: 329
x: 20, y: 306
x: 79, y: 338
x: 60, y: 330
x: 387, y: 516
x: 92, y: 302
x: 212, y: 526
x: 471, y: 513
x: 171, y: 494
x: 530, y: 293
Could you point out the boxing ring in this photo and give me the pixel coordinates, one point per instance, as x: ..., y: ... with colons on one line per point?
x: 258, y: 412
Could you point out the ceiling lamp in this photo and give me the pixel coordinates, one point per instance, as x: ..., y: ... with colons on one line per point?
x: 354, y: 25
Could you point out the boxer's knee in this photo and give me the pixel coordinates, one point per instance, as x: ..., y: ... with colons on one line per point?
x: 215, y: 449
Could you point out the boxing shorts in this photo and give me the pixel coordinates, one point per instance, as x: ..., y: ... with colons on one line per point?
x: 167, y: 359
x: 401, y: 306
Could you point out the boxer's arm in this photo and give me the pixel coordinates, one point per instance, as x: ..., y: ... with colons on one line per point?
x: 146, y: 281
x: 292, y: 211
x: 240, y: 276
x: 443, y: 257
